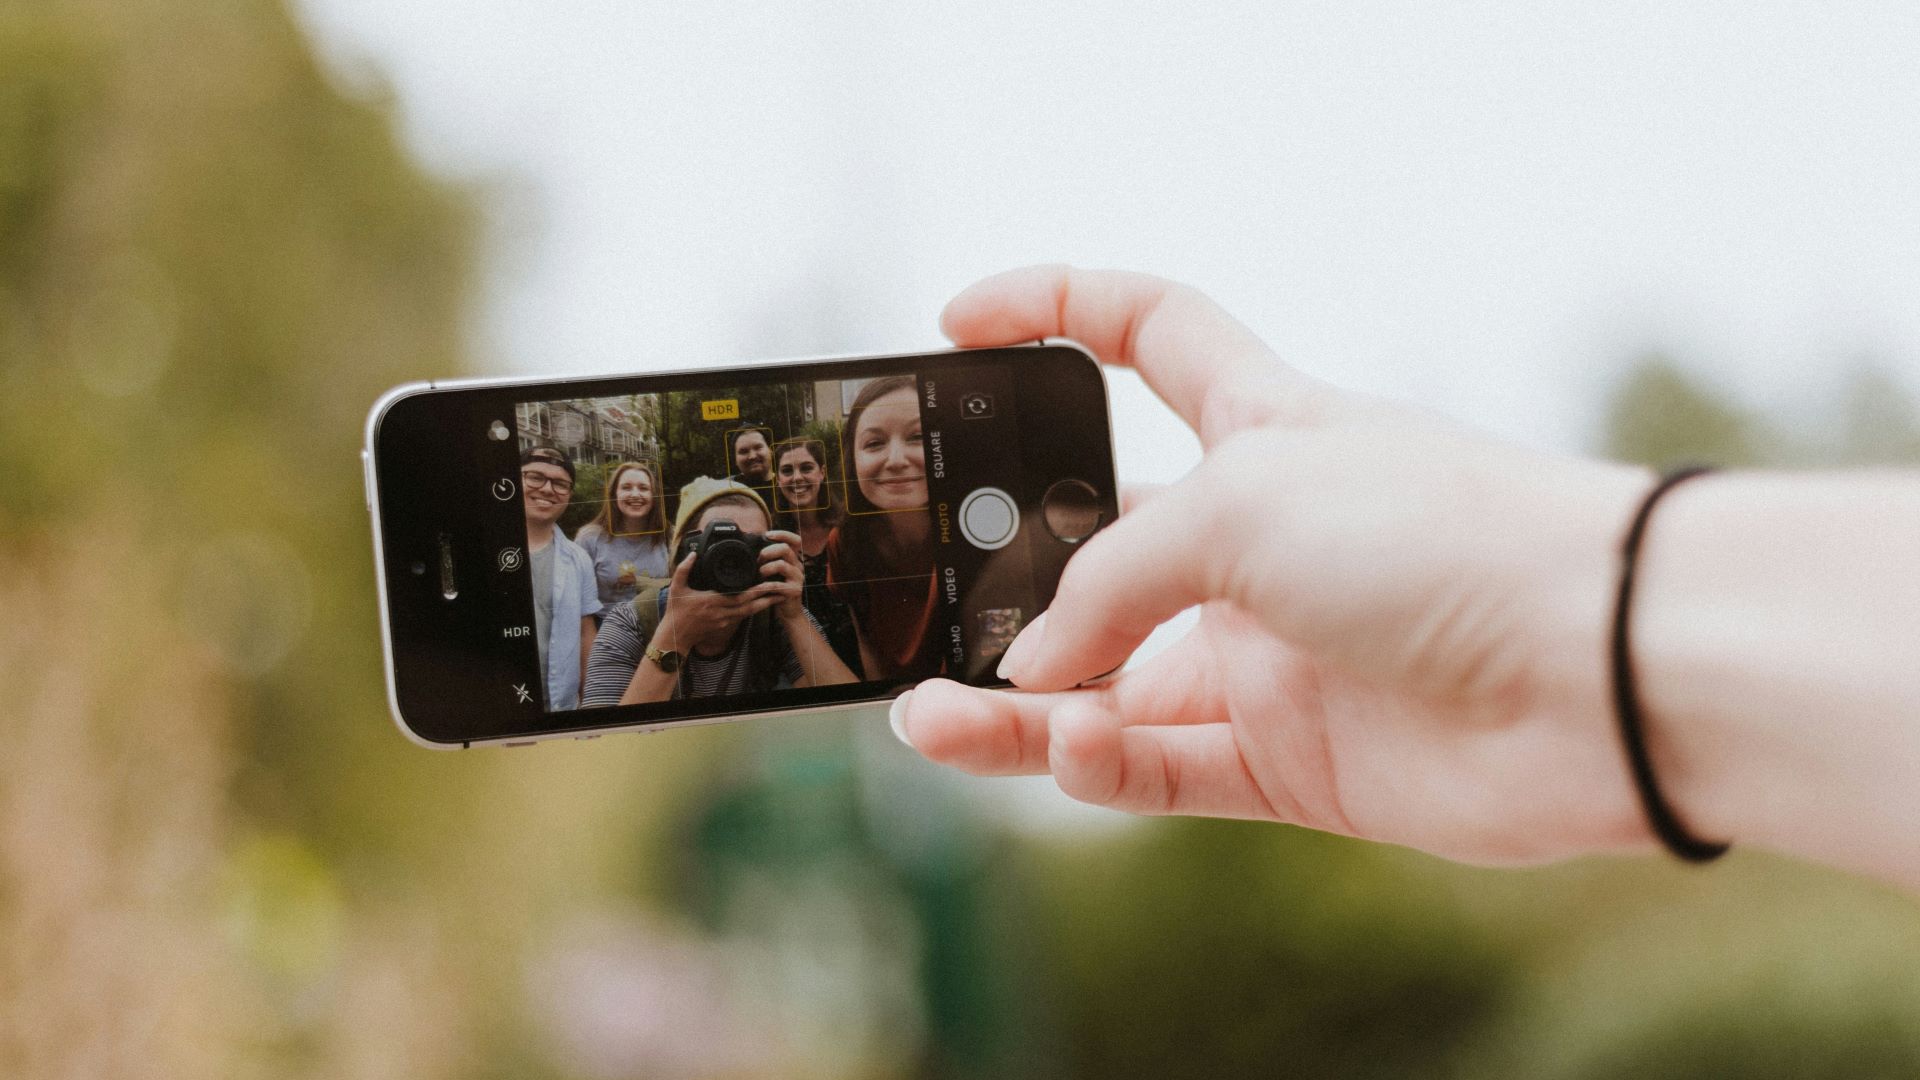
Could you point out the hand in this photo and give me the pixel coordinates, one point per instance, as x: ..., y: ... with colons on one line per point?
x: 786, y: 578
x: 698, y: 617
x: 1401, y: 633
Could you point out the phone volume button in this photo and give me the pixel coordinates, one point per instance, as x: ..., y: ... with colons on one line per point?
x: 366, y: 478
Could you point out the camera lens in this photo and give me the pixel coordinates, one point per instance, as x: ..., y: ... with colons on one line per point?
x: 733, y: 565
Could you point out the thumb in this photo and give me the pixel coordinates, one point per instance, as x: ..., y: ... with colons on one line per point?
x: 1132, y: 576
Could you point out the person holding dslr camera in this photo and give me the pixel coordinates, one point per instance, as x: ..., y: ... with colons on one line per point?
x: 730, y: 622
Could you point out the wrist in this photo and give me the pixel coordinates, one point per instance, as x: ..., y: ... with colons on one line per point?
x: 1568, y: 565
x: 1702, y: 632
x: 1776, y: 671
x: 1772, y: 613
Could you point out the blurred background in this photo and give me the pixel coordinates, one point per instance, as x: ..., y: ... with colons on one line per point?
x: 1645, y: 230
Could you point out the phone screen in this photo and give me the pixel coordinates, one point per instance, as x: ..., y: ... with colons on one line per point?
x: 846, y: 529
x: 847, y: 485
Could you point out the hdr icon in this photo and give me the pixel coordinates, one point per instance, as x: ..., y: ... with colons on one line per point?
x: 515, y: 631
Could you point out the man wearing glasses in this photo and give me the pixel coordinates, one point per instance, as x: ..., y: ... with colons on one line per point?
x: 564, y: 594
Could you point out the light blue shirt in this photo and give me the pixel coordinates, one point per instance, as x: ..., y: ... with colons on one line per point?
x: 575, y: 596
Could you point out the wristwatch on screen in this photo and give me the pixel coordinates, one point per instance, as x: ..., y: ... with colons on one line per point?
x: 669, y: 660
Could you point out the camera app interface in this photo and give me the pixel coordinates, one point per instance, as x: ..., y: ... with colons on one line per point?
x: 726, y: 541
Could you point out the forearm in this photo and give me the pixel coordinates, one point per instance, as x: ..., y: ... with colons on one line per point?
x: 649, y: 681
x: 1776, y: 636
x: 869, y: 659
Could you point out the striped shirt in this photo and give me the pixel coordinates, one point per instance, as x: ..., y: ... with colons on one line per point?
x: 620, y: 649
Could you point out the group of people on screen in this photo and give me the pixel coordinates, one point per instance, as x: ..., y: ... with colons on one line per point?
x: 849, y: 590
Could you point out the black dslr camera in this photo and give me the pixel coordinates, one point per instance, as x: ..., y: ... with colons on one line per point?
x: 729, y: 560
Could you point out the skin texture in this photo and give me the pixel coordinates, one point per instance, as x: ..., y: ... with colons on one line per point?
x: 889, y: 457
x: 1403, y: 628
x: 751, y: 455
x: 633, y: 498
x: 799, y: 478
x: 703, y: 623
x: 543, y: 503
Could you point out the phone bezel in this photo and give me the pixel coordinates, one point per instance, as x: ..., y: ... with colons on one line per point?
x: 1106, y: 484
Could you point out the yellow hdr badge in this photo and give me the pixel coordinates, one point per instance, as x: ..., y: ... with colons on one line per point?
x: 720, y: 410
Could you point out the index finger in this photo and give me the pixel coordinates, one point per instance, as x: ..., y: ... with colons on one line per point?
x: 683, y: 574
x: 1213, y: 371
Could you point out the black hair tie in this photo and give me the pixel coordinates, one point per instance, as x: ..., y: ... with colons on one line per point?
x: 1626, y: 698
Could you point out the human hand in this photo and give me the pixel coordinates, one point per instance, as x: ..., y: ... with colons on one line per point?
x: 1402, y: 625
x: 696, y: 616
x: 780, y: 565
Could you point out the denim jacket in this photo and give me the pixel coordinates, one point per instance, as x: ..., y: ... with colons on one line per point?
x: 575, y: 596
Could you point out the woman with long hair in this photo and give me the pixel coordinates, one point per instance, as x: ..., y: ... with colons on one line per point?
x: 803, y: 493
x: 628, y: 537
x: 880, y: 557
x: 805, y: 506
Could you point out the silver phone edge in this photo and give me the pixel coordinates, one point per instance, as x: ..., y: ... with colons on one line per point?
x: 370, y: 476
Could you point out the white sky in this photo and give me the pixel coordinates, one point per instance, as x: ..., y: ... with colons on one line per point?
x: 1483, y: 207
x: 1487, y: 208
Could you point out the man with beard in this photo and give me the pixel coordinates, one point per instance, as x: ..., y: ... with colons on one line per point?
x: 751, y: 451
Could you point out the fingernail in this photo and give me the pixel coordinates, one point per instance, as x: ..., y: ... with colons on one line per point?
x: 1020, y: 653
x: 897, y: 718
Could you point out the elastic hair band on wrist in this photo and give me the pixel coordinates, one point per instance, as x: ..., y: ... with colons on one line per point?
x: 1626, y: 697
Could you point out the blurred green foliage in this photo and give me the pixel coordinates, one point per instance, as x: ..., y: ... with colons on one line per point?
x: 693, y: 446
x: 1662, y: 416
x: 219, y: 858
x: 1212, y: 948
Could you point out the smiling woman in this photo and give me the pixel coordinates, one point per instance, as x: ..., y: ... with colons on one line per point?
x: 808, y: 508
x: 627, y: 539
x: 880, y: 560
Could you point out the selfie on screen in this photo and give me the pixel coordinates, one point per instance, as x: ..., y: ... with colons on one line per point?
x: 698, y: 544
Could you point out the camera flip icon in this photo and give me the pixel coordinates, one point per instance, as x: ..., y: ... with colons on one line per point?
x: 976, y: 406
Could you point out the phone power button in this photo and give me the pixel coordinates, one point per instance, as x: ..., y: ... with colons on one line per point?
x: 366, y: 477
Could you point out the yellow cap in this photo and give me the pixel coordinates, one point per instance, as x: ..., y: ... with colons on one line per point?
x: 703, y: 490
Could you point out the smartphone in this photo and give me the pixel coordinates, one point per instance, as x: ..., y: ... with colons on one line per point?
x: 576, y: 557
